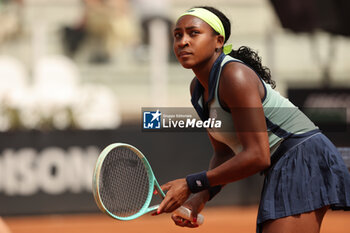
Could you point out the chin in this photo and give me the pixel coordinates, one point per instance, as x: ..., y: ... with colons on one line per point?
x: 186, y: 65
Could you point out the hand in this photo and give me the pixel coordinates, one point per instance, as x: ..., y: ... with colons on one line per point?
x: 196, y: 203
x: 177, y: 194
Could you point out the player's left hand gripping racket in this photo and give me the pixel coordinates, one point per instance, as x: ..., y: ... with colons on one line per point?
x: 123, y: 184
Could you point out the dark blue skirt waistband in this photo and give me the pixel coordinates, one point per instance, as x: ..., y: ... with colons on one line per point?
x: 291, y: 142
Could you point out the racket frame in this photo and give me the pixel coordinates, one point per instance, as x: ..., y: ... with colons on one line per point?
x: 152, y: 182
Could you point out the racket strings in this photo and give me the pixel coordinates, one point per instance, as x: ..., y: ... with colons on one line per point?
x: 124, y: 183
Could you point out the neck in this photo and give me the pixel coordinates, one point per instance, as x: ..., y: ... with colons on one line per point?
x: 202, y: 70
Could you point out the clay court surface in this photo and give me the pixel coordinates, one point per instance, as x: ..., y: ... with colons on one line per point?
x: 217, y: 219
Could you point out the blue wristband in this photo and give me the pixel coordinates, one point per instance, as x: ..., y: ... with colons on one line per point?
x: 198, y: 182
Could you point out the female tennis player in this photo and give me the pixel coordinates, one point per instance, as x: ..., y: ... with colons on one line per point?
x: 264, y: 132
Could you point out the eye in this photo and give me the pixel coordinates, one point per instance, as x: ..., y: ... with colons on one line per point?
x: 177, y: 35
x: 194, y: 32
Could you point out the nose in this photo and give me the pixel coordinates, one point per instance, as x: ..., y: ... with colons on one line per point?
x: 184, y: 41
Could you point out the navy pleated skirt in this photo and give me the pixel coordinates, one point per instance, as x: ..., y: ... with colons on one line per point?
x: 309, y: 175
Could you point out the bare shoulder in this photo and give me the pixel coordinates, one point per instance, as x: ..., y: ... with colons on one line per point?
x: 236, y: 75
x: 238, y: 84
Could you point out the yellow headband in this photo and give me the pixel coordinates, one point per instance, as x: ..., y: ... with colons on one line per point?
x: 213, y: 21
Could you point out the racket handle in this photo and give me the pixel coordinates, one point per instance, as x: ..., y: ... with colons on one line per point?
x: 185, y: 213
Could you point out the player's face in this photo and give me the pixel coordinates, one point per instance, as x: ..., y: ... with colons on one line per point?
x: 194, y: 41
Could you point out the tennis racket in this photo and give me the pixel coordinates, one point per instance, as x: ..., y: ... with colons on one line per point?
x: 123, y: 184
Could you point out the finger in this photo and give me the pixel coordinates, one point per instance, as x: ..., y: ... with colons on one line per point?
x: 172, y: 206
x: 168, y: 205
x: 178, y: 220
x: 189, y: 224
x: 164, y: 205
x: 157, y: 191
x: 154, y: 214
x: 165, y: 187
x: 194, y: 215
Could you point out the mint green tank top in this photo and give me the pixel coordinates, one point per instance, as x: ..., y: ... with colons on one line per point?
x: 283, y: 119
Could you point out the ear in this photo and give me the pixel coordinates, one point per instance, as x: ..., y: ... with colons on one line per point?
x: 219, y: 41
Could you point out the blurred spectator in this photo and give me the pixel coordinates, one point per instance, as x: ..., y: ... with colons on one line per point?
x: 10, y: 18
x: 13, y: 89
x: 108, y: 24
x: 158, y: 10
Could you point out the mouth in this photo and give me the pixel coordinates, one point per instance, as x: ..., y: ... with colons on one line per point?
x: 184, y: 54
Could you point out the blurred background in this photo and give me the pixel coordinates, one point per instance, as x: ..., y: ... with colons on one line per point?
x: 74, y: 75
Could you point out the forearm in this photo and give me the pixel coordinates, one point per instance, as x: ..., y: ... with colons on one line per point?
x: 226, y: 167
x: 240, y: 166
x: 216, y: 160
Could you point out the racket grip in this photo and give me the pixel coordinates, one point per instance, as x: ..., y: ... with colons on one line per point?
x: 185, y: 213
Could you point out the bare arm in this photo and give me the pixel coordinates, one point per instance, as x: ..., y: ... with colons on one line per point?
x: 197, y: 201
x: 221, y: 154
x: 239, y: 90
